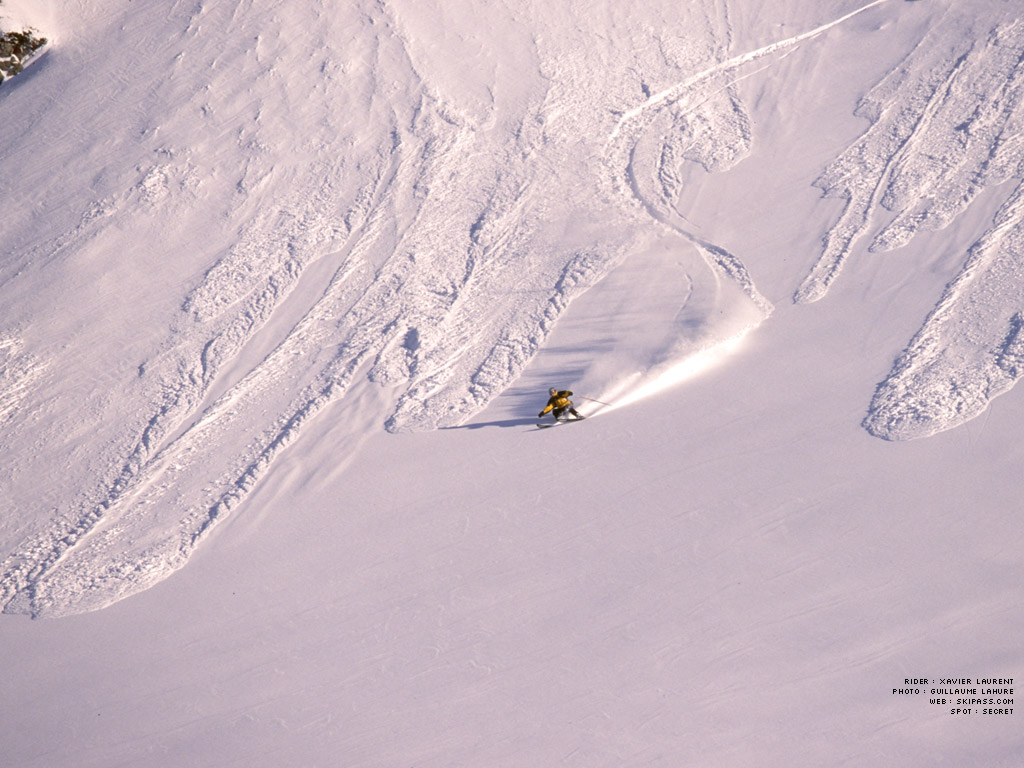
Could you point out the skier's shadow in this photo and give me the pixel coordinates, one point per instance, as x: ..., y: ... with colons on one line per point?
x: 523, y: 422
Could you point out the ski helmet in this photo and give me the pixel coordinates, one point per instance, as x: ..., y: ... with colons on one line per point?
x: 552, y: 391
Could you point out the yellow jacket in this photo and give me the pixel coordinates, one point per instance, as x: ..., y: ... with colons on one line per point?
x: 558, y: 400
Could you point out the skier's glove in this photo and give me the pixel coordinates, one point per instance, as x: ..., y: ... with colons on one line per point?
x: 540, y: 415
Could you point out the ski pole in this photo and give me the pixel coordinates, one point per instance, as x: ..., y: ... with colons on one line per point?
x: 602, y: 402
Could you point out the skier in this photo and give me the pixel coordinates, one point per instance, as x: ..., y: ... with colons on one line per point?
x: 560, y: 403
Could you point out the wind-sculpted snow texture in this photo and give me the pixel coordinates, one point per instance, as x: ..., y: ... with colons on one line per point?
x: 406, y: 229
x: 971, y: 347
x: 946, y: 124
x: 18, y: 373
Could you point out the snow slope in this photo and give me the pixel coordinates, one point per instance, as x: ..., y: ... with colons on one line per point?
x: 282, y: 287
x: 388, y: 258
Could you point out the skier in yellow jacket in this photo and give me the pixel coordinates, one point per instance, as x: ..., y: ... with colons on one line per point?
x: 560, y: 403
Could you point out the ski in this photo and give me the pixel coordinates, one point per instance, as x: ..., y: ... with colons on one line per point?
x: 556, y: 422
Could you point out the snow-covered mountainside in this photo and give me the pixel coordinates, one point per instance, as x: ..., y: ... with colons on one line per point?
x: 263, y: 260
x: 310, y: 218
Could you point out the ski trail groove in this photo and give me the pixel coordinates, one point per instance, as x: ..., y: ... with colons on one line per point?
x: 640, y: 133
x: 677, y: 91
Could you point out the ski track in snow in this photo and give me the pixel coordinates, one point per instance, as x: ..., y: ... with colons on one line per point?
x: 946, y: 123
x: 700, y: 119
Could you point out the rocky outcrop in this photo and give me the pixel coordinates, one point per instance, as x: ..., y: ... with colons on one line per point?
x: 16, y: 50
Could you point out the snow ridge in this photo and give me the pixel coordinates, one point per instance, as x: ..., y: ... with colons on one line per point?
x: 970, y: 347
x: 946, y: 123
